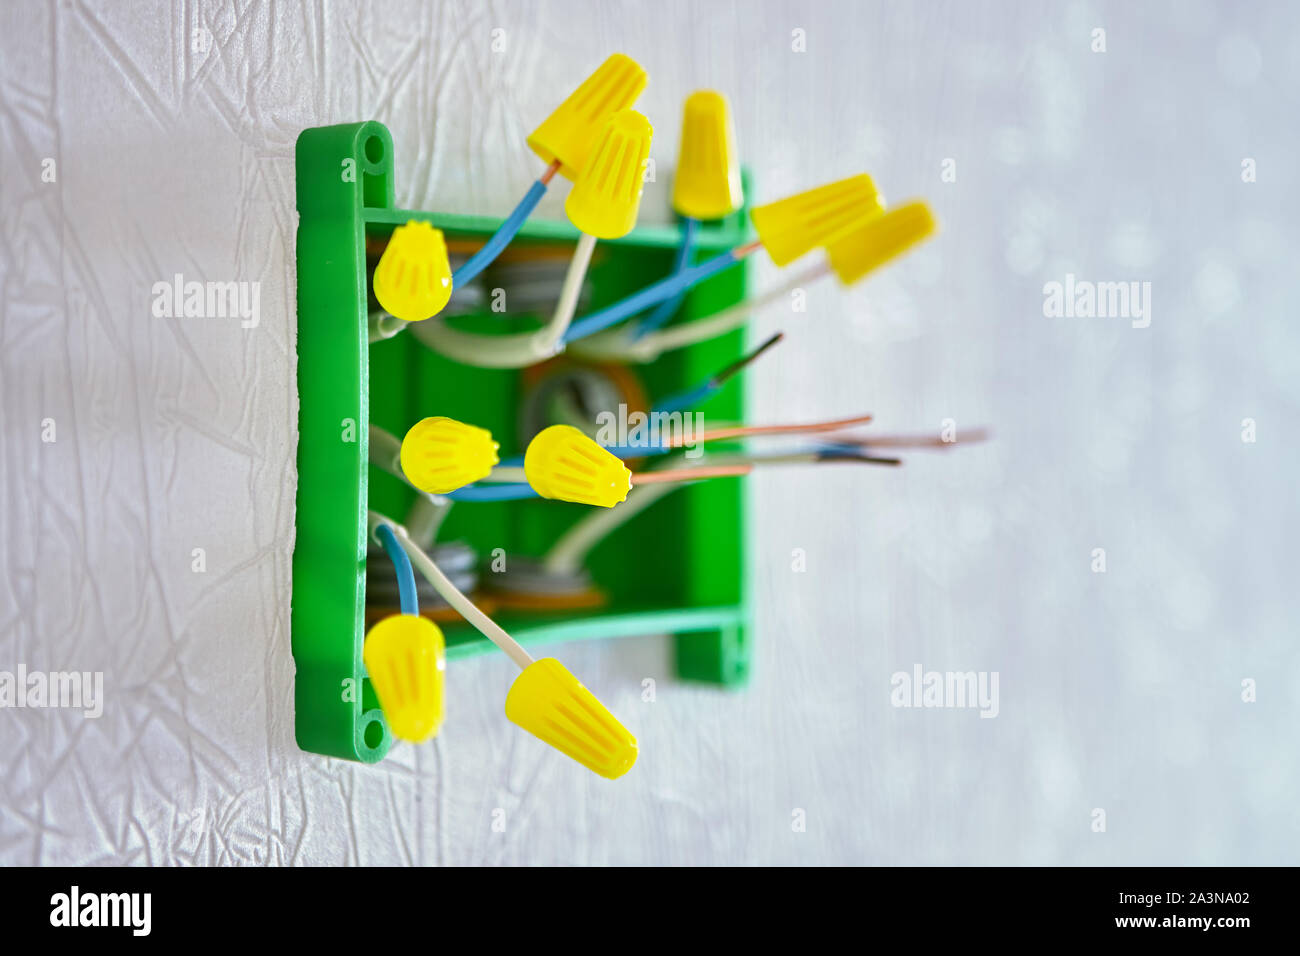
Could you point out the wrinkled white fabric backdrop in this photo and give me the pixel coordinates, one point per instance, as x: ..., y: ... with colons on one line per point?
x: 1119, y: 691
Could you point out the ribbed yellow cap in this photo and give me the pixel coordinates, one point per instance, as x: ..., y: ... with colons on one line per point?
x: 790, y: 227
x: 570, y: 132
x: 876, y: 240
x: 607, y: 194
x: 563, y: 463
x: 441, y: 454
x: 413, y: 278
x: 552, y: 705
x: 406, y: 659
x: 707, y: 182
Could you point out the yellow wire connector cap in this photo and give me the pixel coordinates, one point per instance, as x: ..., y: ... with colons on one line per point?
x: 707, y: 182
x: 605, y: 199
x: 552, y: 705
x: 563, y: 463
x: 790, y: 227
x: 406, y: 659
x: 569, y: 133
x: 440, y: 454
x: 413, y: 278
x: 862, y: 248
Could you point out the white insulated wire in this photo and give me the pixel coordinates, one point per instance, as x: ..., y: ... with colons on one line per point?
x: 453, y: 596
x: 521, y: 349
x: 619, y: 345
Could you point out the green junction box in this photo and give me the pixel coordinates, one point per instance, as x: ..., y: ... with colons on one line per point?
x: 680, y: 568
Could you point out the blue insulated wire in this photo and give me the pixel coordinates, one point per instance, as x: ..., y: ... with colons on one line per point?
x: 602, y: 319
x: 500, y: 239
x: 402, y: 565
x: 669, y: 307
x: 505, y: 491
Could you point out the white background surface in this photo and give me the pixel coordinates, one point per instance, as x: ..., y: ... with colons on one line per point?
x: 1119, y: 691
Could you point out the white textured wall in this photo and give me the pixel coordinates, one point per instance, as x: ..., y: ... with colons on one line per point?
x: 1119, y: 691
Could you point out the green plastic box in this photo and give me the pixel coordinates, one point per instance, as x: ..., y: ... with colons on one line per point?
x: 680, y: 568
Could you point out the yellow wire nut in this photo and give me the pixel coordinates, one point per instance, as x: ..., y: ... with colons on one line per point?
x: 870, y: 244
x: 707, y: 182
x: 413, y: 278
x: 406, y: 660
x: 441, y: 454
x: 551, y: 704
x: 570, y: 133
x: 607, y: 194
x: 564, y: 464
x: 791, y: 227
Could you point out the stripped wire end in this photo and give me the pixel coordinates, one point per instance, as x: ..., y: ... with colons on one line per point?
x: 704, y: 391
x: 940, y: 442
x: 745, y: 361
x: 856, y: 456
x: 744, y: 431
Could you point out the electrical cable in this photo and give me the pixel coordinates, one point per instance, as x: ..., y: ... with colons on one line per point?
x: 745, y: 431
x: 480, y: 260
x: 712, y: 385
x: 462, y: 604
x: 656, y: 292
x: 622, y: 345
x: 568, y: 553
x: 570, y: 550
x: 407, y: 597
x: 514, y: 491
x: 519, y: 349
x: 667, y: 308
